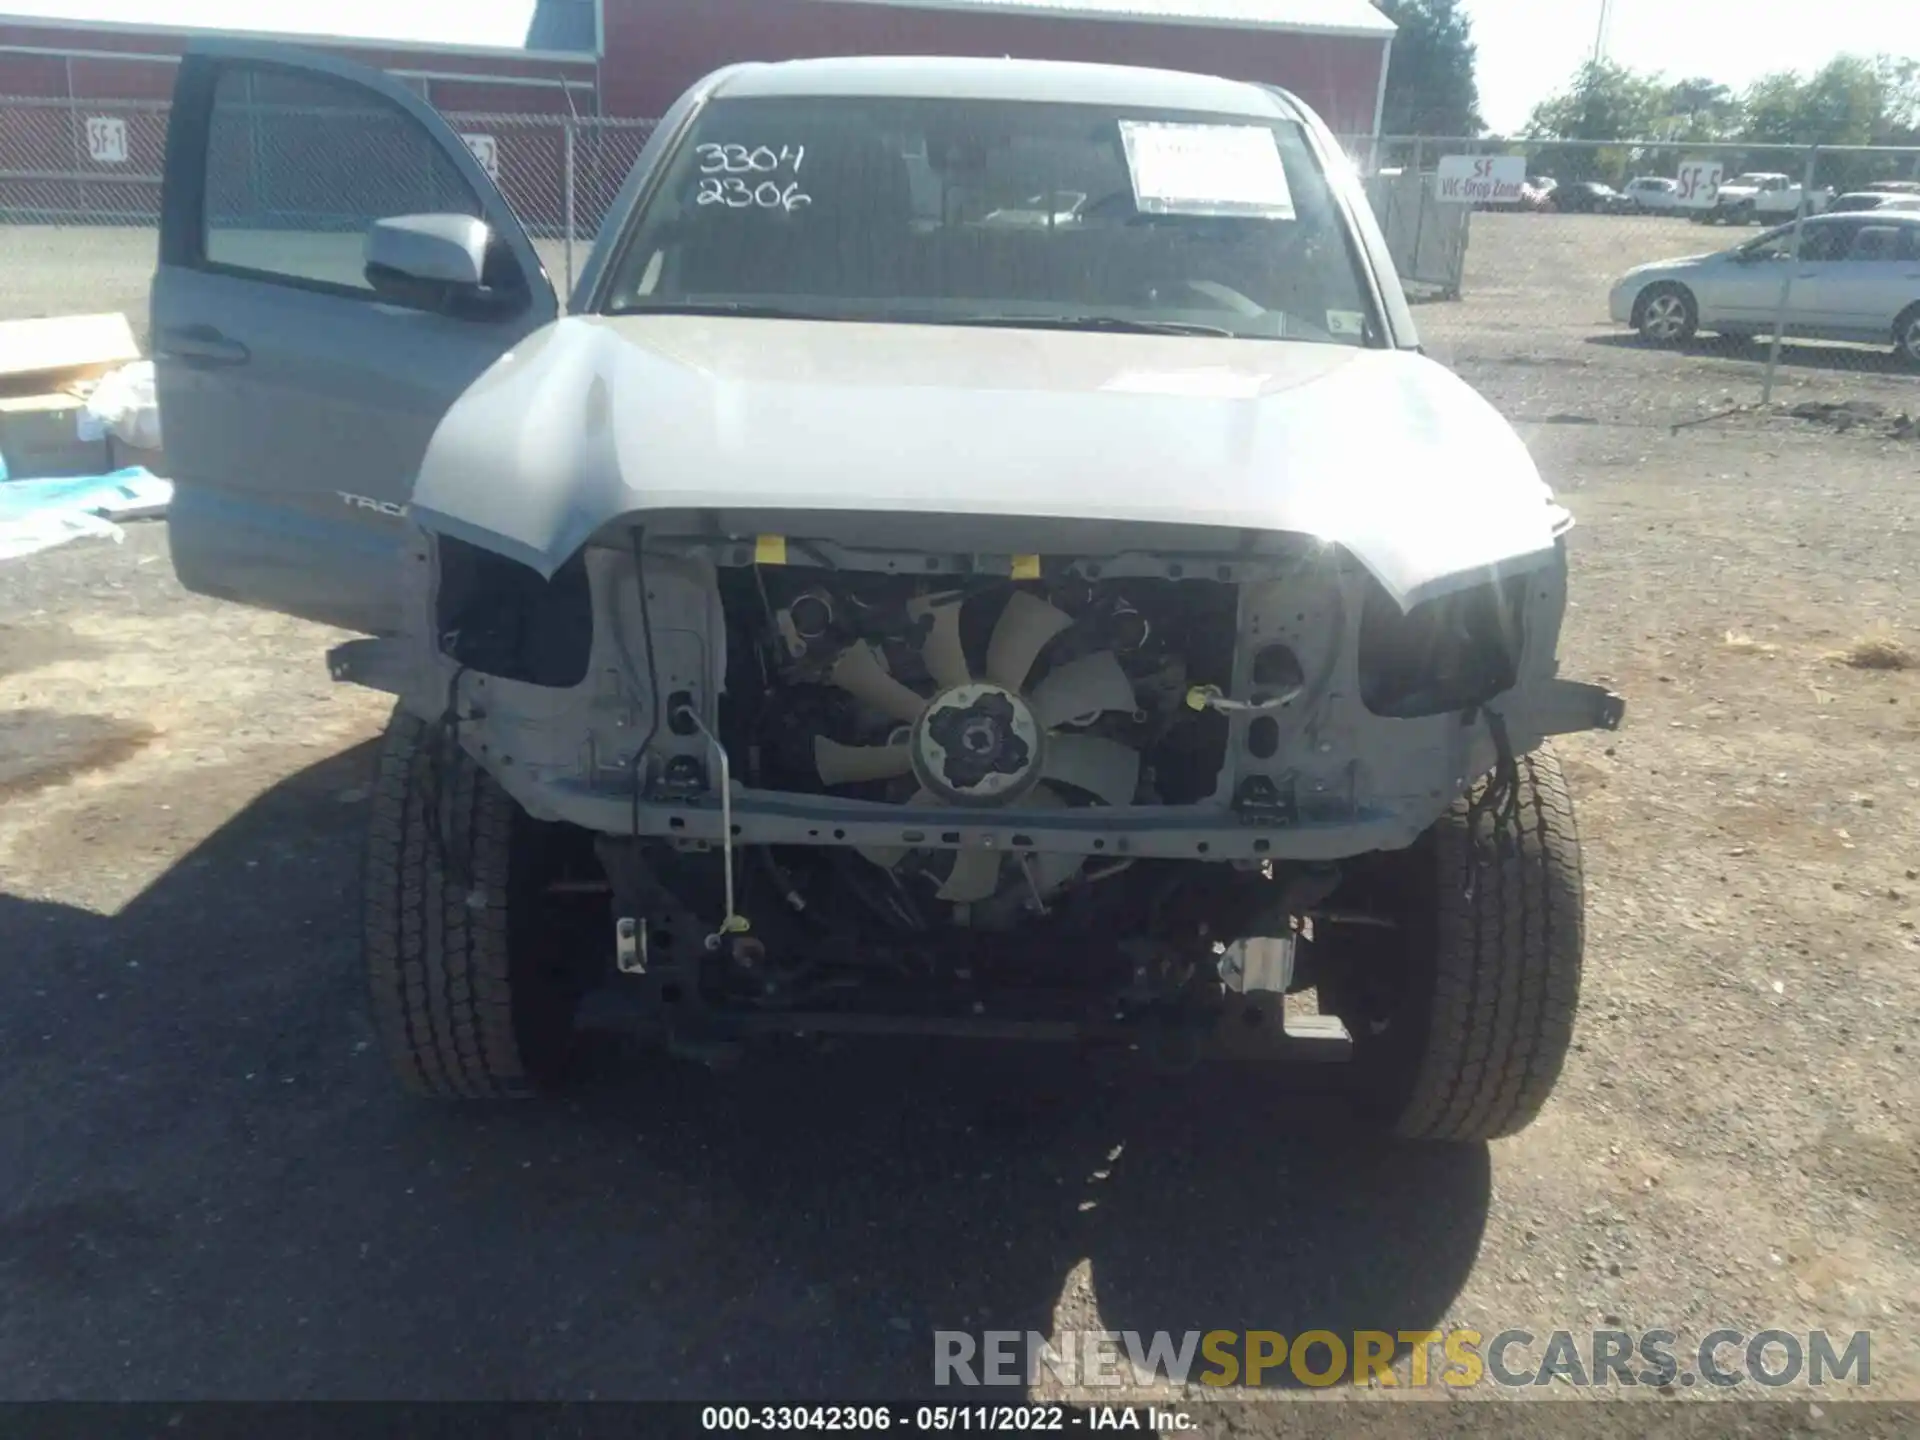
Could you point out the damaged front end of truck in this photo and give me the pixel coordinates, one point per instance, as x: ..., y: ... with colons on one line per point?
x: 832, y: 768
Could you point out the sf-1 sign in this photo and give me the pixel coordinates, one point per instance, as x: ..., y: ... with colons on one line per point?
x: 1481, y: 179
x: 107, y: 139
x: 1699, y: 182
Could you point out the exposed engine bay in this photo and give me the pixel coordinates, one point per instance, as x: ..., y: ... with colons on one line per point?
x: 889, y: 690
x: 979, y: 698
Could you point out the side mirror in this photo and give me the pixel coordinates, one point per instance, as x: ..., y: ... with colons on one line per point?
x: 437, y: 262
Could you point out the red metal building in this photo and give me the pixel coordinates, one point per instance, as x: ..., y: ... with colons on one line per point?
x: 83, y: 103
x: 632, y: 57
x: 1331, y: 53
x: 108, y: 61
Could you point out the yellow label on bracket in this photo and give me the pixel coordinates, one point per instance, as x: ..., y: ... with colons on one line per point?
x: 1026, y: 567
x: 770, y: 550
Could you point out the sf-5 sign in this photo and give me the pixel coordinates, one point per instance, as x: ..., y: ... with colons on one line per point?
x: 1699, y: 184
x: 1481, y: 179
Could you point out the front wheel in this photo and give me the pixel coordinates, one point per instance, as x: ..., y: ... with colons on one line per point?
x: 1666, y: 315
x: 1906, y: 335
x: 474, y: 968
x: 1462, y: 1014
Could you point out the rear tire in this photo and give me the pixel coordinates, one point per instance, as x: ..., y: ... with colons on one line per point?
x: 1462, y: 1017
x: 1666, y: 315
x: 469, y: 988
x: 1906, y: 336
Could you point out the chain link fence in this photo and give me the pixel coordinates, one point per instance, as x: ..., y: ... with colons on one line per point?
x: 560, y: 175
x: 80, y: 187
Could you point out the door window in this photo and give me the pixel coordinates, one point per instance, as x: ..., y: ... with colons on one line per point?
x: 1875, y: 243
x: 298, y: 166
x: 1827, y: 242
x: 1777, y: 246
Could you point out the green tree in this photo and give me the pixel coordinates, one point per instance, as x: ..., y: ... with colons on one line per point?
x: 1701, y: 109
x: 1901, y: 79
x: 1852, y: 100
x: 1605, y: 102
x: 1431, y: 88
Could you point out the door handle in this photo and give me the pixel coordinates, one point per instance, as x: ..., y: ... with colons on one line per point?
x: 202, y: 345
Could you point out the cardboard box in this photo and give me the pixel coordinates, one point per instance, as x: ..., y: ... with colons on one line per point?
x: 41, y: 437
x: 38, y: 357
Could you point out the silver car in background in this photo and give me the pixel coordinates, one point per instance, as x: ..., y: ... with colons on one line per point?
x: 1856, y: 277
x: 1653, y: 194
x: 1863, y: 200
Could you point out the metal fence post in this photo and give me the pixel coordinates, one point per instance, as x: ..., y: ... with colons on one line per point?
x: 1786, y: 281
x: 74, y: 127
x: 1421, y: 202
x: 567, y: 186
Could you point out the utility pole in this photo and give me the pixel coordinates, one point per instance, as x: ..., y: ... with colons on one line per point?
x: 1600, y: 31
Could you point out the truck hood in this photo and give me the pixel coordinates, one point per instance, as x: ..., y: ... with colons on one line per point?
x: 590, y: 420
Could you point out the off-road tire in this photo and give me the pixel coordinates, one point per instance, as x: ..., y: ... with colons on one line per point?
x: 1686, y: 313
x: 1906, y: 336
x: 463, y: 1006
x: 1491, y: 944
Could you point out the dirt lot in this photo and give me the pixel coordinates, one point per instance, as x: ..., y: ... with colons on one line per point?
x: 208, y: 1187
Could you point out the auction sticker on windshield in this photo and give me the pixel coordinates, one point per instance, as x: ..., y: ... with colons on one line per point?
x: 1184, y: 169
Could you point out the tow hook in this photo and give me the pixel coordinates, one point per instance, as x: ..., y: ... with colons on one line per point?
x: 630, y: 945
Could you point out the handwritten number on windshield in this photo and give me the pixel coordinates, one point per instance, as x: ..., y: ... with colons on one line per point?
x: 742, y: 160
x: 727, y: 171
x: 734, y: 193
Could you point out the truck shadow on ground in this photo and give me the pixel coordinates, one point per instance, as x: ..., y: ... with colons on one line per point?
x: 209, y: 1186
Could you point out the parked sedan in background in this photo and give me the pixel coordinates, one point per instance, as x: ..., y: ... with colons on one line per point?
x: 1537, y: 193
x: 1862, y: 200
x: 1855, y: 277
x: 1590, y: 197
x: 1653, y: 194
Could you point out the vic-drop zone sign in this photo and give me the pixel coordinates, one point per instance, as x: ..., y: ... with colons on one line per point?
x: 1481, y: 179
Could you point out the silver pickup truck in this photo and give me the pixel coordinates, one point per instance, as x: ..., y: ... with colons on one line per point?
x: 856, y: 611
x: 1761, y: 197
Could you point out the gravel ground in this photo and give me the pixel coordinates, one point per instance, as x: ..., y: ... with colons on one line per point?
x: 198, y: 1140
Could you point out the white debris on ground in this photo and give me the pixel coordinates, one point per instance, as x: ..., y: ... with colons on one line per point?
x: 37, y: 515
x: 79, y: 433
x: 123, y: 405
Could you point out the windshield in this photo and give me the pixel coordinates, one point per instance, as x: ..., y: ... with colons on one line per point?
x: 1001, y: 213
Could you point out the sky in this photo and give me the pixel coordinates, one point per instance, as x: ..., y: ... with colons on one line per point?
x: 1530, y: 48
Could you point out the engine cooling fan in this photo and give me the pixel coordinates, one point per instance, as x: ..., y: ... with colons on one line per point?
x: 988, y: 741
